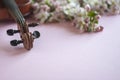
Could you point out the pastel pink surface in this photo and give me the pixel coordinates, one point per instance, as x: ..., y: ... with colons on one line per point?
x: 61, y: 53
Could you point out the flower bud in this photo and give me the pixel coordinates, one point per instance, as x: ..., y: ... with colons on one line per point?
x: 87, y: 7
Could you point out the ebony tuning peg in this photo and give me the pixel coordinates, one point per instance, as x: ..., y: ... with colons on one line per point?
x: 11, y: 32
x: 36, y: 34
x: 15, y: 42
x: 33, y: 24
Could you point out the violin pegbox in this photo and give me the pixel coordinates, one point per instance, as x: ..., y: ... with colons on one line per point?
x: 27, y: 38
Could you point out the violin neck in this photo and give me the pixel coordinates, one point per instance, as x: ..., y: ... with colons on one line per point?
x: 15, y: 12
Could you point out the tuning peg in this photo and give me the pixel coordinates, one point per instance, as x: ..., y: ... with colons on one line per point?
x: 33, y: 24
x: 36, y: 34
x: 11, y: 32
x: 15, y: 42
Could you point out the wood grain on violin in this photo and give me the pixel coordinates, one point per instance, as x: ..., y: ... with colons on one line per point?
x: 24, y: 6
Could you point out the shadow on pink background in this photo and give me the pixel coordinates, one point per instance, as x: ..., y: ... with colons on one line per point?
x: 61, y: 53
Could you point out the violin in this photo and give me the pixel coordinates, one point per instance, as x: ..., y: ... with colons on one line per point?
x: 24, y: 6
x: 16, y: 9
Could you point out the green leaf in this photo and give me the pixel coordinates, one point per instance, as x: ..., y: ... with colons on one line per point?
x: 92, y: 13
x: 48, y: 3
x: 96, y: 21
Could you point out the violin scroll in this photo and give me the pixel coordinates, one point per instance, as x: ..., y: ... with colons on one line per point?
x: 27, y: 38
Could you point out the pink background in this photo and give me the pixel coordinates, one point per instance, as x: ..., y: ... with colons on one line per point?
x: 61, y: 53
